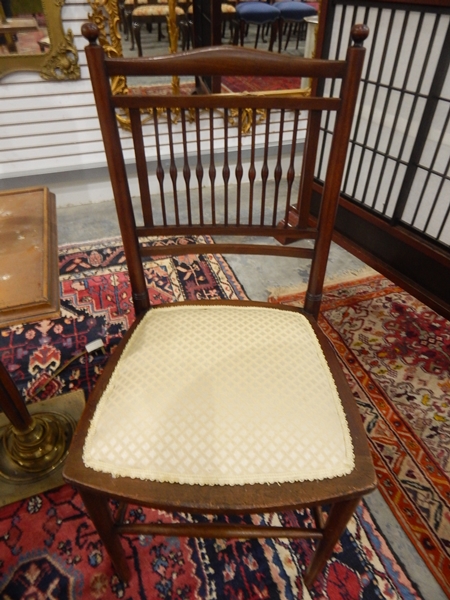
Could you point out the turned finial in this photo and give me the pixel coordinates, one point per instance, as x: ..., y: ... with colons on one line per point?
x: 359, y: 34
x: 91, y: 32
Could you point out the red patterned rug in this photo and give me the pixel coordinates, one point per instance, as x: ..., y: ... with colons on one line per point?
x: 259, y: 84
x: 396, y: 353
x: 229, y: 84
x: 48, y: 546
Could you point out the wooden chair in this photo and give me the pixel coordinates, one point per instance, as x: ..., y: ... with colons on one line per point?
x: 126, y: 8
x: 216, y: 407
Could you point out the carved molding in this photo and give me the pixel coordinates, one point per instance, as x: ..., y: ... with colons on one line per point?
x: 105, y: 14
x: 63, y: 62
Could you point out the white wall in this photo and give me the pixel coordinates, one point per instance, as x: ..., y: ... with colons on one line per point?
x: 49, y: 133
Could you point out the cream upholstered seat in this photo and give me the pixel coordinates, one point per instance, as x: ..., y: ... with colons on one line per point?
x: 223, y: 407
x: 243, y: 415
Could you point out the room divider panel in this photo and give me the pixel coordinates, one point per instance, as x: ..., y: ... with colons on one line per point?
x: 394, y: 208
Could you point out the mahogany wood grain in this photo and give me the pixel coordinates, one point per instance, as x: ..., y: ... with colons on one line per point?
x: 223, y: 59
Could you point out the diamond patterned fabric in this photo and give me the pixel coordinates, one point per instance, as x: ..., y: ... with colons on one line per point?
x: 155, y: 11
x: 220, y: 395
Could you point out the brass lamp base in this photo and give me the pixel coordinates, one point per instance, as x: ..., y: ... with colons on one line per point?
x: 31, y: 462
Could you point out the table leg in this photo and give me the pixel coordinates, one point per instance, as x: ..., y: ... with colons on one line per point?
x: 12, y: 402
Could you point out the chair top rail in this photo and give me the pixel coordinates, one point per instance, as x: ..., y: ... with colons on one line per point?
x: 233, y: 61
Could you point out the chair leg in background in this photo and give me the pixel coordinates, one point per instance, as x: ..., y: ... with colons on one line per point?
x: 99, y: 511
x: 274, y: 32
x: 136, y: 32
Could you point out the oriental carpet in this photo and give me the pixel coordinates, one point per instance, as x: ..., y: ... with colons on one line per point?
x: 396, y: 355
x: 257, y: 84
x: 48, y: 546
x: 234, y: 84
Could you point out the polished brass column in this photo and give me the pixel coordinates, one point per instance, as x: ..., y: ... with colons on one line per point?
x: 34, y: 445
x: 34, y: 442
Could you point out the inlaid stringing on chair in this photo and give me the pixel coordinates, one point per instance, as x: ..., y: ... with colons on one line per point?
x: 260, y: 417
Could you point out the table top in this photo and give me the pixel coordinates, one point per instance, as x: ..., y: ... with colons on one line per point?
x: 18, y: 25
x: 29, y: 286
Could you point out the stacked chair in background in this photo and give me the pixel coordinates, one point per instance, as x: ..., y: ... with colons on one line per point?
x: 273, y: 21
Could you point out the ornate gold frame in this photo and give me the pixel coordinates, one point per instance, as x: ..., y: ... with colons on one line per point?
x: 105, y: 14
x: 60, y: 62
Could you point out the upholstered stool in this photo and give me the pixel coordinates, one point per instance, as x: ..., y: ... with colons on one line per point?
x: 256, y: 13
x: 293, y: 12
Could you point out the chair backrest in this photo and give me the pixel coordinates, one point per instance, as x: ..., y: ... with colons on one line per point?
x: 229, y: 163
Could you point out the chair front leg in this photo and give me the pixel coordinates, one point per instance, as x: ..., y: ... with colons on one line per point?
x: 258, y: 31
x: 130, y: 29
x: 273, y: 34
x: 236, y: 30
x: 242, y: 31
x: 97, y: 507
x: 136, y: 32
x: 280, y: 33
x: 161, y: 36
x: 232, y: 25
x: 340, y: 515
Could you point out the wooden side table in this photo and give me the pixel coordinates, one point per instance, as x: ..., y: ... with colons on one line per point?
x: 29, y: 288
x: 34, y: 442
